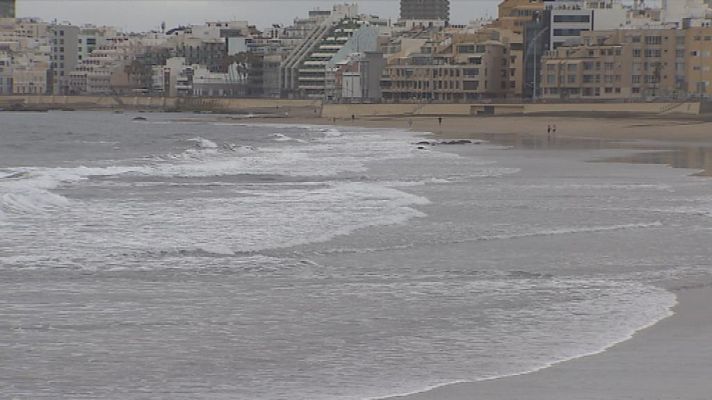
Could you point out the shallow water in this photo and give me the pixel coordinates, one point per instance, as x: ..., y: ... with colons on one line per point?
x: 202, y: 260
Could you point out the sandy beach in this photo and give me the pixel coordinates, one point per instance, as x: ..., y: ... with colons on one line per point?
x: 669, y: 360
x: 634, y: 128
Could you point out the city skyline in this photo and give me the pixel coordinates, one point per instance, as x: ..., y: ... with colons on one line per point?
x: 145, y: 15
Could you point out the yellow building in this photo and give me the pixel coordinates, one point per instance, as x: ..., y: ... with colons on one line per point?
x: 619, y: 64
x: 514, y: 14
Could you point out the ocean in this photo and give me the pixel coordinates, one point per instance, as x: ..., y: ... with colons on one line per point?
x: 184, y: 258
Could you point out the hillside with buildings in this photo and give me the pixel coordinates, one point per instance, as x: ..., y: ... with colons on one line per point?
x: 548, y: 50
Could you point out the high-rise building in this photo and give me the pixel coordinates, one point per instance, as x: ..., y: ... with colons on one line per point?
x: 7, y: 8
x: 64, y: 56
x: 425, y: 9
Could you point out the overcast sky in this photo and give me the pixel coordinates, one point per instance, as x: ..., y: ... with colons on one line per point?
x: 143, y: 15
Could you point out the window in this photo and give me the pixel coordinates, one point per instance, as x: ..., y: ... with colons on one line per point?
x: 470, y: 85
x: 572, y: 18
x: 653, y: 40
x: 569, y: 32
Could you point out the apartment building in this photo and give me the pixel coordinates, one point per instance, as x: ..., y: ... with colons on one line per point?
x: 23, y: 70
x: 64, y: 57
x: 698, y: 61
x: 316, y: 74
x: 514, y: 14
x: 621, y: 64
x: 464, y: 68
x: 104, y: 71
x: 307, y: 36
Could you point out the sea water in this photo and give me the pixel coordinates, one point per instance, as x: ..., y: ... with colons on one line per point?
x: 184, y: 257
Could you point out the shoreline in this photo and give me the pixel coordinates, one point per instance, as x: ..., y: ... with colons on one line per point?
x: 647, y: 365
x: 644, y: 365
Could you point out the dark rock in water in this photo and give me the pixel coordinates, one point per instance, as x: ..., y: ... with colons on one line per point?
x: 459, y: 141
x: 421, y: 148
x: 139, y: 119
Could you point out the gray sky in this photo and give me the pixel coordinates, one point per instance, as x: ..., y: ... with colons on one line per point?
x: 142, y: 15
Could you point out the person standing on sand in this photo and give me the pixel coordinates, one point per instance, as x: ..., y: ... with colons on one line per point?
x: 353, y: 117
x: 440, y: 121
x: 553, y: 129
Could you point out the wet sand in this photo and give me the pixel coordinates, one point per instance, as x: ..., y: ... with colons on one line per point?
x: 681, y: 143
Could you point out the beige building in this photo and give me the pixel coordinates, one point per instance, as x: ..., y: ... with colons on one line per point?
x: 620, y: 64
x: 698, y: 61
x: 461, y: 68
x: 514, y: 14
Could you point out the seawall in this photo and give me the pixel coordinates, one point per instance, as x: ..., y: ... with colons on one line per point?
x: 281, y: 107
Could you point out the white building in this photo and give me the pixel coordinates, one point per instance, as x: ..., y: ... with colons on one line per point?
x: 568, y: 19
x: 674, y: 11
x: 607, y: 14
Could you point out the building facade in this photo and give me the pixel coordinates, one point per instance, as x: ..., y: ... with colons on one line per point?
x: 618, y: 65
x: 64, y: 57
x: 698, y: 61
x: 468, y: 68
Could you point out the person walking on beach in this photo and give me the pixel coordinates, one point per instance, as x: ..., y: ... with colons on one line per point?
x: 353, y: 117
x: 553, y: 130
x: 440, y: 121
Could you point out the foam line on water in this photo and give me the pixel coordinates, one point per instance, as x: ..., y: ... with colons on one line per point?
x: 662, y: 310
x: 514, y: 236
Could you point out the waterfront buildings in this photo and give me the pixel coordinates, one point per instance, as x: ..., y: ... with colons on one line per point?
x: 466, y: 67
x: 631, y: 64
x: 64, y: 41
x: 561, y: 50
x: 698, y: 61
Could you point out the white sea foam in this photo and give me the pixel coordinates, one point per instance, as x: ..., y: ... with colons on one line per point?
x: 204, y: 143
x: 507, y: 236
x: 648, y: 306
